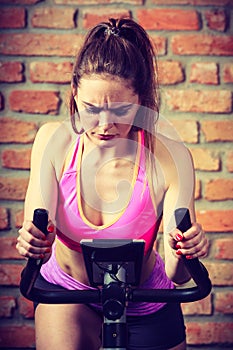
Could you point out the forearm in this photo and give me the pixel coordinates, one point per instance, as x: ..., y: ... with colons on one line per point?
x: 176, y: 270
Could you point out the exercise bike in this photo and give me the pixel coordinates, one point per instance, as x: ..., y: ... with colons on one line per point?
x: 113, y: 268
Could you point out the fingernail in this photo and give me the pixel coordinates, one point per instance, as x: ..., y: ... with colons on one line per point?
x: 179, y: 237
x: 178, y: 246
x: 41, y: 256
x: 178, y: 252
x: 47, y: 250
x: 188, y: 256
x: 50, y: 229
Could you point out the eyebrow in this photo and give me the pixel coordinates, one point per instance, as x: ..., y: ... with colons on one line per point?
x: 110, y: 109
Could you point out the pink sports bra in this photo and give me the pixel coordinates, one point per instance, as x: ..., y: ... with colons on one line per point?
x: 137, y: 221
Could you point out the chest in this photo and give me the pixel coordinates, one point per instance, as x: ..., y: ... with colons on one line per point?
x: 106, y: 189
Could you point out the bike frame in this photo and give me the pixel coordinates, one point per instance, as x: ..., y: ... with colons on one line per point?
x: 115, y: 292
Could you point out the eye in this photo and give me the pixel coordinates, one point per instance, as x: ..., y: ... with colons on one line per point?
x: 93, y: 110
x: 122, y: 111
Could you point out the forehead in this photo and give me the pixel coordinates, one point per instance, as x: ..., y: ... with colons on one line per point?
x: 100, y: 89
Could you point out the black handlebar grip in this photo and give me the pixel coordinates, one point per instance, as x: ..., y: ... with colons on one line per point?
x: 40, y: 220
x: 196, y: 269
x: 183, y: 221
x: 32, y: 269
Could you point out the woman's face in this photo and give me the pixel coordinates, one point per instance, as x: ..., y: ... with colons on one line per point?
x: 107, y: 108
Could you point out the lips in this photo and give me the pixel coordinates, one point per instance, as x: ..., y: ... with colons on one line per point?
x: 105, y: 137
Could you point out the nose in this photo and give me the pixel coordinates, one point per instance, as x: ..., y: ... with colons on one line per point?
x: 105, y: 120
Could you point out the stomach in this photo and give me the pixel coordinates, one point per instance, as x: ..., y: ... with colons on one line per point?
x: 72, y: 262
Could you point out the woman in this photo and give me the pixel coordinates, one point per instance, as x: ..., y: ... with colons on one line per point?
x: 109, y: 175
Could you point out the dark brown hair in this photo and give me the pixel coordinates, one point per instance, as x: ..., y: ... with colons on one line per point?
x: 122, y: 48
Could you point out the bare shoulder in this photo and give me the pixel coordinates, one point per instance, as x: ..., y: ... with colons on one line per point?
x: 169, y: 149
x: 51, y: 145
x: 54, y: 137
x: 56, y: 131
x: 174, y: 159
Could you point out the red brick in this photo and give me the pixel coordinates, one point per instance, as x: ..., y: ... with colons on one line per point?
x: 20, y: 2
x: 51, y: 72
x: 53, y: 17
x: 38, y: 102
x: 16, y: 158
x: 205, y: 160
x: 202, y: 44
x: 222, y: 248
x: 200, y: 307
x: 170, y: 72
x: 204, y: 101
x: 216, y: 19
x: 186, y: 129
x: 22, y: 335
x: 38, y: 44
x: 11, y: 17
x: 221, y: 273
x: 160, y: 45
x: 4, y: 219
x: 100, y: 2
x: 223, y: 302
x: 11, y: 72
x: 168, y: 19
x: 192, y: 2
x: 204, y: 73
x: 19, y: 217
x: 219, y: 190
x: 8, y: 249
x: 12, y: 188
x: 197, y: 194
x: 209, y: 333
x: 26, y: 308
x: 10, y: 274
x: 91, y: 18
x: 1, y: 102
x: 228, y: 73
x: 7, y: 306
x: 219, y: 130
x: 216, y: 220
x: 229, y: 161
x: 14, y: 130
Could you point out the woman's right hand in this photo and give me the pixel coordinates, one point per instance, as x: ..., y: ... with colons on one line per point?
x: 32, y: 243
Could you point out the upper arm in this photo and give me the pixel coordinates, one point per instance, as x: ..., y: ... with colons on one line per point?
x: 180, y: 186
x: 42, y: 188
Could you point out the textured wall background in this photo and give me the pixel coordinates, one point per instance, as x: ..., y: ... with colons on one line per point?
x: 195, y: 45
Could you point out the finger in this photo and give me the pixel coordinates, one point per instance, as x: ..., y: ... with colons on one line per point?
x: 193, y: 231
x: 32, y: 253
x: 33, y: 248
x: 177, y: 235
x: 28, y: 226
x: 51, y: 227
x: 51, y: 232
x: 30, y: 241
x: 186, y: 244
x: 174, y: 237
x: 26, y: 240
x: 194, y: 237
x: 198, y: 250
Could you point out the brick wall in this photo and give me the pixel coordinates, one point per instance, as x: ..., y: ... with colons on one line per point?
x: 195, y: 45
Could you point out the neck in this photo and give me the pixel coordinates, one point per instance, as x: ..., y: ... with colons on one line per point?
x: 124, y: 148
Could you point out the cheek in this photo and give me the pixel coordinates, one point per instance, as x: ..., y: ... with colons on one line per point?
x: 88, y: 122
x: 124, y: 129
x: 128, y: 121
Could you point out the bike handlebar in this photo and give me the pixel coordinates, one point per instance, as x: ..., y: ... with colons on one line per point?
x: 57, y: 295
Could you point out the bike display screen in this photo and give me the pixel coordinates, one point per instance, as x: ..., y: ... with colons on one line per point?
x: 103, y: 256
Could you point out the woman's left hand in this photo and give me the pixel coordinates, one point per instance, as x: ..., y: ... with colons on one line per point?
x: 192, y: 243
